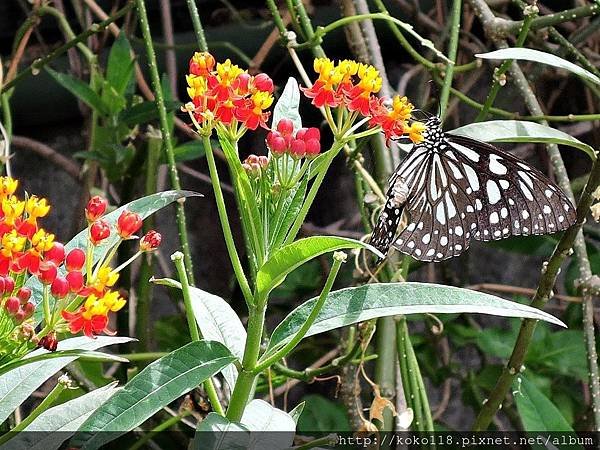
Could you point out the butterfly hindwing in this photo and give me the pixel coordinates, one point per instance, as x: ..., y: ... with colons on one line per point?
x: 461, y: 189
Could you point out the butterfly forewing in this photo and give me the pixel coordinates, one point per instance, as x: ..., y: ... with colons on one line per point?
x: 461, y: 189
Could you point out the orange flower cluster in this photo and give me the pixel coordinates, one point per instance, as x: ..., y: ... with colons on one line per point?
x: 222, y: 93
x: 353, y: 86
x: 83, y: 294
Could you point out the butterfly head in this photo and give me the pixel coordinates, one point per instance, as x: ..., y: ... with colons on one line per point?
x: 433, y: 130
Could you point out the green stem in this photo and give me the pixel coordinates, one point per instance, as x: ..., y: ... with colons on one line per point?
x: 166, y: 134
x: 266, y: 362
x: 229, y: 242
x: 385, y: 366
x: 500, y: 71
x: 452, y: 52
x: 43, y: 406
x: 173, y: 420
x: 67, y: 30
x: 276, y: 17
x: 198, y: 29
x: 146, y: 356
x: 209, y: 386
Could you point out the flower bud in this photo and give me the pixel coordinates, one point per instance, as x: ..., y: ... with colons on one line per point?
x: 28, y: 310
x: 298, y: 148
x: 56, y: 253
x: 24, y: 294
x: 276, y: 143
x: 285, y: 127
x: 241, y: 83
x: 49, y: 342
x: 19, y: 316
x: 128, y: 223
x: 48, y: 272
x: 95, y: 208
x: 75, y: 280
x: 263, y: 82
x: 60, y: 287
x: 75, y: 259
x: 99, y: 231
x: 2, y: 285
x: 11, y: 305
x: 150, y: 241
x: 9, y: 285
x: 313, y: 148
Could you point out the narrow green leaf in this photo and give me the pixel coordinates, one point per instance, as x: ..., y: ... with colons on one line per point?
x: 144, y: 112
x: 261, y: 416
x: 84, y: 355
x: 153, y: 388
x: 281, y: 223
x: 296, y: 412
x: 144, y: 206
x: 80, y: 90
x: 520, y: 131
x: 188, y: 151
x: 54, y: 426
x: 530, y: 54
x: 217, y: 322
x: 17, y: 385
x: 216, y: 432
x: 537, y: 412
x: 352, y: 305
x: 287, y: 258
x: 119, y: 69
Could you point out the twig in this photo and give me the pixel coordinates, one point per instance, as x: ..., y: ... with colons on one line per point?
x: 71, y: 168
x: 518, y: 290
x: 170, y: 57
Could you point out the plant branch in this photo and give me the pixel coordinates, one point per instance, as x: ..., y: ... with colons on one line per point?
x: 452, y: 53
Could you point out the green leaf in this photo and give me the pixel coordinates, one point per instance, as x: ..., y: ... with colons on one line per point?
x: 119, y: 69
x: 80, y: 90
x: 322, y: 415
x: 352, y: 305
x: 529, y: 54
x: 156, y: 386
x: 115, y: 102
x: 216, y: 432
x: 144, y: 206
x: 287, y: 107
x: 144, y: 112
x: 217, y: 322
x: 537, y: 412
x: 17, y: 385
x: 296, y: 412
x: 261, y: 416
x: 85, y: 355
x: 562, y: 352
x: 55, y: 425
x: 187, y: 151
x: 290, y: 210
x: 520, y: 131
x: 287, y: 258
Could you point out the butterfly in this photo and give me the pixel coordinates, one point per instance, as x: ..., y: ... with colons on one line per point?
x: 453, y: 189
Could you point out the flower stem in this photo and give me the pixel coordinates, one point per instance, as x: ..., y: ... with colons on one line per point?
x: 338, y: 259
x: 198, y: 29
x: 166, y: 134
x: 452, y: 52
x: 178, y: 259
x: 233, y: 254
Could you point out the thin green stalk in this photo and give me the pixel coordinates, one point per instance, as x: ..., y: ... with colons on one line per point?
x: 500, y: 71
x: 173, y: 420
x: 166, y: 134
x: 38, y: 64
x: 43, y: 406
x: 511, y: 27
x: 228, y: 235
x: 146, y: 356
x: 198, y: 29
x: 264, y: 363
x: 209, y: 386
x: 276, y: 17
x: 452, y: 52
x: 385, y: 365
x: 67, y: 30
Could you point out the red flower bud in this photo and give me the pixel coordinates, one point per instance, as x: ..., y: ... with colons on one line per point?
x: 19, y: 316
x: 75, y: 259
x: 28, y: 310
x: 12, y: 305
x: 60, y: 287
x: 56, y: 253
x: 298, y: 148
x: 241, y: 83
x: 99, y: 231
x: 300, y: 133
x: 48, y: 272
x: 150, y: 241
x: 263, y: 82
x: 313, y: 147
x: 49, y: 342
x: 128, y: 223
x: 75, y: 280
x: 285, y: 127
x: 9, y: 285
x: 95, y: 208
x: 24, y: 294
x: 277, y: 144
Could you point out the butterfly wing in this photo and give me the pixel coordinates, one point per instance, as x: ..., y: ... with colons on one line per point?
x: 464, y: 189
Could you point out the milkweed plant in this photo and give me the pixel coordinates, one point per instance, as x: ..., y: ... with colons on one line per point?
x: 60, y: 304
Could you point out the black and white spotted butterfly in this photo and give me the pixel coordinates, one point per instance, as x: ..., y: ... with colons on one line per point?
x: 453, y: 189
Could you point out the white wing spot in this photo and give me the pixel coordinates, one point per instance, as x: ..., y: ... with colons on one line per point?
x: 440, y: 214
x: 444, y: 241
x: 495, y: 165
x: 548, y: 193
x: 546, y: 209
x: 426, y: 238
x: 418, y: 252
x: 517, y: 224
x: 478, y: 204
x: 440, y: 255
x: 458, y: 230
x: 497, y: 233
x: 504, y: 184
x: 430, y: 252
x: 561, y: 218
x: 411, y: 227
x: 472, y: 177
x: 494, y: 217
x: 504, y: 212
x: 511, y: 202
x: 458, y: 247
x: 411, y: 244
x: 525, y: 230
x: 525, y: 214
x: 472, y: 155
x: 492, y: 191
x: 526, y: 191
x: 470, y: 209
